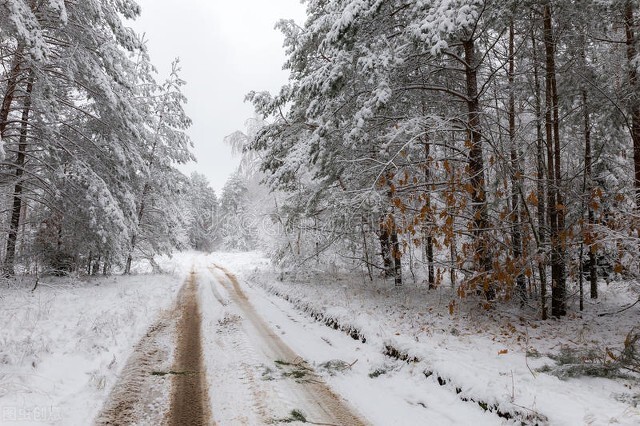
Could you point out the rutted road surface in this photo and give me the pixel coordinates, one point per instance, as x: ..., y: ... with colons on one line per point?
x: 253, y: 377
x: 293, y: 380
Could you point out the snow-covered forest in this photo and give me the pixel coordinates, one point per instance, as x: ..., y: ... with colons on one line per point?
x: 91, y: 141
x: 493, y: 144
x: 435, y: 220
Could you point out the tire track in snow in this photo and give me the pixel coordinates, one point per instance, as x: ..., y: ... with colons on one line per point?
x: 316, y: 400
x: 235, y: 369
x: 248, y: 365
x: 139, y: 396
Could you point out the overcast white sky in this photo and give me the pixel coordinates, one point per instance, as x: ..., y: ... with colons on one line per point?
x: 226, y: 48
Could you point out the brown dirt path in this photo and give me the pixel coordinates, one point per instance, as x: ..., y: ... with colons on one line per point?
x: 189, y: 396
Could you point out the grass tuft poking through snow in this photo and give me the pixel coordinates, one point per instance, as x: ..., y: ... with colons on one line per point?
x: 294, y: 416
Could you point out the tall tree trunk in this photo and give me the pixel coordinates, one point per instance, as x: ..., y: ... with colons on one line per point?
x: 14, y: 225
x: 556, y: 204
x: 540, y: 187
x: 96, y: 266
x: 450, y: 234
x: 365, y: 248
x: 632, y: 53
x: 588, y: 180
x: 105, y: 265
x: 516, y: 178
x: 430, y: 263
x: 146, y: 189
x: 476, y: 170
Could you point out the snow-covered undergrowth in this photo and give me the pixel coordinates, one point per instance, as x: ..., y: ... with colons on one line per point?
x: 63, y: 345
x: 490, y: 358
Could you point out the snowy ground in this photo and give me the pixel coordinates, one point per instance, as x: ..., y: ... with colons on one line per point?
x: 270, y: 356
x: 488, y: 357
x: 63, y: 346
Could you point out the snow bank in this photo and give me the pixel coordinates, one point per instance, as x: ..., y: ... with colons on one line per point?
x: 63, y: 345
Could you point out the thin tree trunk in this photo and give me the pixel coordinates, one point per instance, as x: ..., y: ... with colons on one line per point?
x: 145, y: 192
x: 476, y: 170
x: 580, y: 276
x: 427, y: 228
x: 430, y: 263
x: 365, y: 248
x: 551, y: 185
x: 556, y: 204
x: 588, y: 180
x: 14, y: 225
x: 134, y: 238
x: 516, y: 226
x: 90, y: 263
x: 105, y: 265
x: 396, y: 254
x: 540, y: 208
x: 450, y: 211
x: 629, y: 26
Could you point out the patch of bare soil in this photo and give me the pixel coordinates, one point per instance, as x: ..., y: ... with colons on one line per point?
x: 189, y: 396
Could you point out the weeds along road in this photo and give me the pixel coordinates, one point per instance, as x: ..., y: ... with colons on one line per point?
x: 213, y: 359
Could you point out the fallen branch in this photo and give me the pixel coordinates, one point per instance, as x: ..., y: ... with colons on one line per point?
x: 621, y: 310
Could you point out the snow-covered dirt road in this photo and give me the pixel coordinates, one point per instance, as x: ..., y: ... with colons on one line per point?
x: 230, y: 367
x: 267, y: 363
x: 152, y: 389
x: 277, y: 384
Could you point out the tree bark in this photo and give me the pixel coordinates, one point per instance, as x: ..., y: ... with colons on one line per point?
x: 12, y: 237
x: 516, y: 226
x: 391, y: 255
x: 540, y: 187
x: 385, y: 248
x: 427, y: 229
x: 476, y: 170
x: 9, y: 95
x: 588, y: 179
x: 397, y: 255
x: 556, y: 204
x: 629, y: 27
